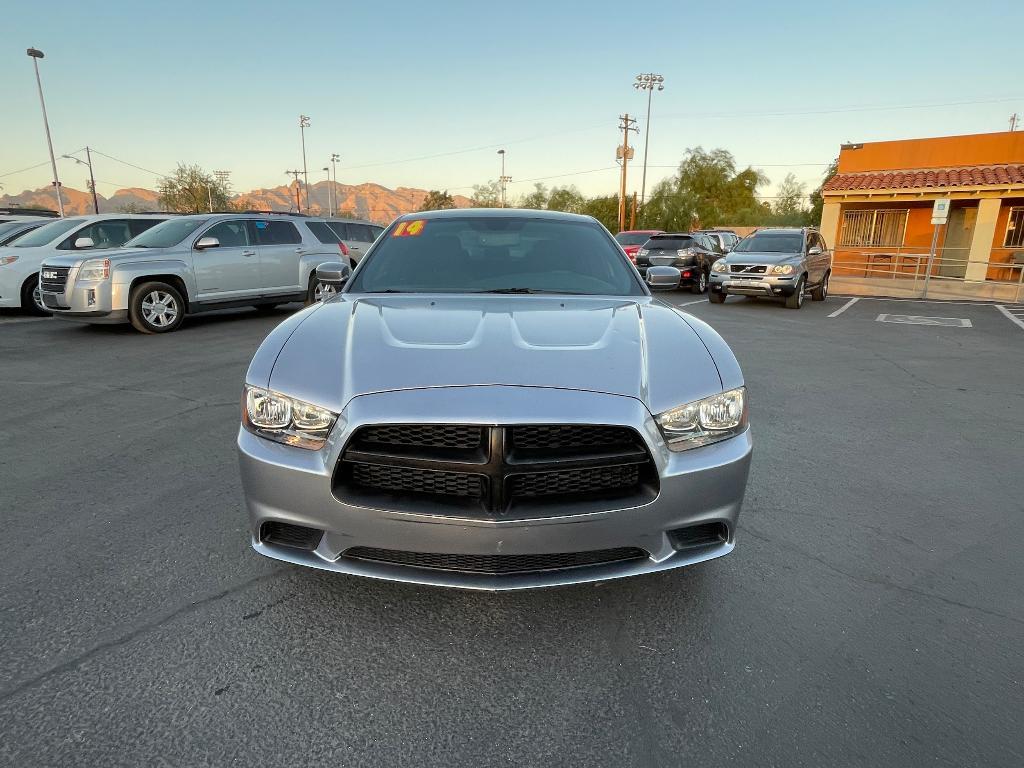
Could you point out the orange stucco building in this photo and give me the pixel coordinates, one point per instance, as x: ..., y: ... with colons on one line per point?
x: 877, y: 212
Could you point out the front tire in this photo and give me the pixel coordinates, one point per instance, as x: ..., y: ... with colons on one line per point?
x: 702, y: 283
x: 318, y: 292
x: 821, y: 292
x: 716, y: 298
x: 32, y: 299
x: 797, y: 299
x: 156, y: 308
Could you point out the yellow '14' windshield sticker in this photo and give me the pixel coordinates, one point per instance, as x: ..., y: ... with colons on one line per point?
x: 409, y: 228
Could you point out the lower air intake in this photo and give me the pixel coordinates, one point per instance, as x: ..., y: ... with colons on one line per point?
x: 496, y: 564
x: 702, y: 535
x: 290, y: 535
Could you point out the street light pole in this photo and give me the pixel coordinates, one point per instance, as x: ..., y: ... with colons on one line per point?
x: 647, y: 82
x: 92, y: 179
x: 36, y: 54
x: 303, y: 125
x: 330, y: 207
x: 503, y: 179
x: 335, y: 157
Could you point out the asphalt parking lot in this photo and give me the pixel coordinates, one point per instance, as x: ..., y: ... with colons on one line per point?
x: 871, y: 615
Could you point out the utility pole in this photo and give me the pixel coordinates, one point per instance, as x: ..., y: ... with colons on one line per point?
x: 303, y: 125
x: 625, y: 153
x: 36, y: 55
x: 298, y: 200
x: 92, y: 179
x: 335, y: 157
x: 1014, y: 118
x: 647, y: 82
x: 503, y: 179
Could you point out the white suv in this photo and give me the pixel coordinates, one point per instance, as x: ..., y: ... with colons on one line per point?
x: 192, y: 264
x: 19, y: 261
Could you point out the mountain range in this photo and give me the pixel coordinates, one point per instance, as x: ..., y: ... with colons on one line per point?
x: 367, y: 201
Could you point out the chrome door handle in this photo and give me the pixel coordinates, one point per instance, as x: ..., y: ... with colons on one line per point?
x: 248, y: 253
x: 300, y: 250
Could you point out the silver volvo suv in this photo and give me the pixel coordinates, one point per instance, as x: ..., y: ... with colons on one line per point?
x: 192, y: 264
x: 494, y: 400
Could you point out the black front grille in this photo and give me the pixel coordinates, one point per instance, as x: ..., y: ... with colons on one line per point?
x: 495, y: 564
x: 394, y: 478
x: 575, y: 481
x: 495, y: 471
x: 53, y: 279
x: 755, y: 269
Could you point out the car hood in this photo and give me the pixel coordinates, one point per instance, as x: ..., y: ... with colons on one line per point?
x: 355, y: 346
x: 114, y: 254
x: 759, y: 257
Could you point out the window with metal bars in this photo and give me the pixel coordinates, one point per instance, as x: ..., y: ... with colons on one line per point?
x: 883, y: 227
x: 1014, y: 229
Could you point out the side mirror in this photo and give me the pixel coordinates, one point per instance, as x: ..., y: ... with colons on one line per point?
x: 815, y: 251
x: 84, y: 242
x: 333, y: 274
x: 663, y: 278
x: 207, y: 242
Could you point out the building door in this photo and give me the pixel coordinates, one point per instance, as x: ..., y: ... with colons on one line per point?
x: 957, y: 245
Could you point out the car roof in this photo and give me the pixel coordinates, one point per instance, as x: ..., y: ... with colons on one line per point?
x: 509, y: 213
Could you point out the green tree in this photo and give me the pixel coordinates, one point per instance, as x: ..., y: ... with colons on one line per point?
x: 132, y: 208
x: 788, y: 209
x: 817, y: 198
x: 570, y: 200
x: 486, y: 195
x: 604, y: 209
x: 190, y: 189
x: 437, y: 201
x: 537, y: 200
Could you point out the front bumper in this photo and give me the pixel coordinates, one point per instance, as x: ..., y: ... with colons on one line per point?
x: 285, y: 484
x: 102, y: 301
x: 753, y: 285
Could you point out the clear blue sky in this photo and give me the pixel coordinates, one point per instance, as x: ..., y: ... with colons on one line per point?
x: 222, y: 84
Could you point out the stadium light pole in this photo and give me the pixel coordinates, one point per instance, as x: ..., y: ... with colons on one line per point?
x: 303, y: 125
x: 36, y: 55
x: 647, y: 82
x: 330, y: 208
x: 335, y: 157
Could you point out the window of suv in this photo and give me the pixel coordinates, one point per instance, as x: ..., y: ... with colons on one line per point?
x: 670, y: 242
x: 322, y: 232
x: 231, y: 234
x: 166, y: 234
x: 138, y: 226
x: 108, y: 233
x: 360, y: 233
x: 771, y: 242
x: 47, y: 233
x: 277, y: 233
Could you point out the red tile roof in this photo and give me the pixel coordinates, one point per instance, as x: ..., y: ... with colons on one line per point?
x: 965, y: 176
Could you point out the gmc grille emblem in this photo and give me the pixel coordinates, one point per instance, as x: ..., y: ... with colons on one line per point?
x: 50, y: 275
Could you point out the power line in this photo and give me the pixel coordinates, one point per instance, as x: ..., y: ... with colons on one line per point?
x: 125, y: 162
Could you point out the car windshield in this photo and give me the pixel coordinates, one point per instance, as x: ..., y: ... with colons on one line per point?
x: 7, y: 227
x: 771, y: 242
x: 670, y: 243
x: 170, y: 232
x: 46, y: 233
x: 632, y: 238
x: 496, y: 254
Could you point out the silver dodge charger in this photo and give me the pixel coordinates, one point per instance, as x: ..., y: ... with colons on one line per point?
x: 493, y: 400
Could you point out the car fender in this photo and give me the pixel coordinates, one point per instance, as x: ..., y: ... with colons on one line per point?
x: 124, y: 274
x: 725, y: 360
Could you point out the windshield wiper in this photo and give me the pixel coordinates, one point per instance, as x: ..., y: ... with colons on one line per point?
x: 531, y: 290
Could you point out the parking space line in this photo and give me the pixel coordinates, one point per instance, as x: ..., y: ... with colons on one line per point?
x: 1012, y: 317
x: 845, y: 306
x: 688, y: 303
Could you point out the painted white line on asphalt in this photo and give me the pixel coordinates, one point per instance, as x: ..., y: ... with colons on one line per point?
x: 921, y: 301
x: 952, y: 322
x: 688, y: 303
x: 845, y: 307
x: 1010, y: 315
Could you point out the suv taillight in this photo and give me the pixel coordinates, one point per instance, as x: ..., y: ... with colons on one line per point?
x: 343, y: 248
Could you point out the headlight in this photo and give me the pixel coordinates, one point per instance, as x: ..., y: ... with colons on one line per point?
x: 781, y: 269
x: 7, y: 260
x: 97, y: 269
x: 704, y: 421
x: 285, y: 419
x: 720, y: 266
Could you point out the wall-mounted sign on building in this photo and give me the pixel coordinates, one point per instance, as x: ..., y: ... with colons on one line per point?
x: 940, y: 211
